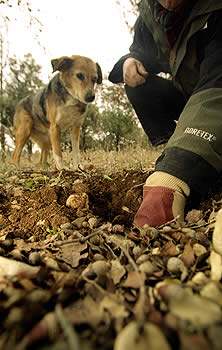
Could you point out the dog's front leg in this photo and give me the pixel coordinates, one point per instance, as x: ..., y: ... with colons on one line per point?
x: 75, y: 132
x: 55, y: 134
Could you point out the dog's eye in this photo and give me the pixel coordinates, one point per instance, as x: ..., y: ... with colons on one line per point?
x: 80, y: 76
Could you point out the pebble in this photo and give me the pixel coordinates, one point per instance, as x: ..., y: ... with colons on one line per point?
x: 67, y: 226
x: 147, y: 267
x: 34, y: 258
x: 142, y: 259
x: 200, y: 279
x: 199, y: 249
x: 137, y: 251
x: 93, y: 222
x: 98, y: 257
x: 167, y: 229
x: 79, y: 221
x: 7, y: 243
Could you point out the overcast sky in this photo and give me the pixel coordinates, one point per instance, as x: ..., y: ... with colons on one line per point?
x: 93, y: 28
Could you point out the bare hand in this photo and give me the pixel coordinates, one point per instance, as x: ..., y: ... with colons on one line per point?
x: 134, y: 73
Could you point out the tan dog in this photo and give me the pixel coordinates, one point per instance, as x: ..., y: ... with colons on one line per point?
x: 61, y: 105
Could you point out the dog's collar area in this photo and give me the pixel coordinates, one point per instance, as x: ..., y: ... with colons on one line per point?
x: 60, y: 89
x: 64, y: 92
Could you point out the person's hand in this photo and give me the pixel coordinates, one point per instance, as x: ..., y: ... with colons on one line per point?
x: 134, y: 73
x: 164, y: 199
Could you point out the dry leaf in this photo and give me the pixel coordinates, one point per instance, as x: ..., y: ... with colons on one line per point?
x: 195, y: 311
x: 133, y: 280
x: 85, y: 311
x: 116, y: 310
x: 100, y: 267
x: 188, y: 255
x: 193, y: 341
x: 72, y: 253
x: 131, y: 338
x: 212, y: 292
x: 12, y: 268
x: 117, y: 271
x: 194, y: 216
x: 170, y: 249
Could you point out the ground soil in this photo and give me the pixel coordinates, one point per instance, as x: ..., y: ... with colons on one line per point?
x: 33, y: 202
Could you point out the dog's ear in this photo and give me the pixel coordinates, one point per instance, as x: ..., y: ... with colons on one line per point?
x: 99, y: 72
x: 61, y: 64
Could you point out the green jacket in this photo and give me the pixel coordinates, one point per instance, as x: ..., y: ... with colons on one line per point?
x: 194, y: 151
x: 182, y: 59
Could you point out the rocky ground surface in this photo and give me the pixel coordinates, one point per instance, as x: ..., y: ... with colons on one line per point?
x: 75, y: 274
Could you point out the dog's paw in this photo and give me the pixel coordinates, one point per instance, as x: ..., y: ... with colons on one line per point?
x: 59, y: 163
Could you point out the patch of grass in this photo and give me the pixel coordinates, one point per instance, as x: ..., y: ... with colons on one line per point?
x: 135, y: 158
x: 132, y: 158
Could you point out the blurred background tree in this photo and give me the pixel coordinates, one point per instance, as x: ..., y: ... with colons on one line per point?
x: 22, y: 80
x: 129, y: 9
x: 6, y: 17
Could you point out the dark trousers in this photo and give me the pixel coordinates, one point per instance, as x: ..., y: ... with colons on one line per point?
x: 157, y: 104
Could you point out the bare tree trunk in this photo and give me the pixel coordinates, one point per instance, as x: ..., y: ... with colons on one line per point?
x: 29, y: 146
x: 2, y: 141
x: 2, y: 130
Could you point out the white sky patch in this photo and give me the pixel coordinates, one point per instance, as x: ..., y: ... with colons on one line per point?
x: 90, y: 28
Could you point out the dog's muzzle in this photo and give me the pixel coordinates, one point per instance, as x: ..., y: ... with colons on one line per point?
x: 90, y: 97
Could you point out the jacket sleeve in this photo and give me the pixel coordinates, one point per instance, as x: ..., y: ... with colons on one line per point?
x: 211, y: 55
x: 197, y: 140
x: 143, y: 48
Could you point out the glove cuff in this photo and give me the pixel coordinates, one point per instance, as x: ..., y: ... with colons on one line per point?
x: 162, y: 179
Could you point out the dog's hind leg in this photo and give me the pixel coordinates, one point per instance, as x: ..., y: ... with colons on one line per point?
x: 45, y: 147
x: 43, y: 141
x: 23, y: 126
x: 44, y: 154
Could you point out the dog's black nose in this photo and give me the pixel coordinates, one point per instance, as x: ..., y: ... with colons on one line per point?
x: 90, y: 97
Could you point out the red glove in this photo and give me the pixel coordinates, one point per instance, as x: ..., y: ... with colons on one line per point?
x: 164, y: 198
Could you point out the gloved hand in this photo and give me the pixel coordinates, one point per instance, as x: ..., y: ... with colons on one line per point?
x: 164, y: 198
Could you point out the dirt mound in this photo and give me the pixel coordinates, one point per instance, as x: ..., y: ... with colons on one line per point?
x: 36, y: 204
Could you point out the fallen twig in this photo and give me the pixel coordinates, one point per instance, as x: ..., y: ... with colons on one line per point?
x: 67, y: 328
x: 76, y: 240
x: 141, y: 314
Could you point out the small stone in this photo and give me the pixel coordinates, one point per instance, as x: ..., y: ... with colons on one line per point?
x: 118, y: 229
x: 176, y: 266
x: 51, y: 263
x: 2, y: 251
x: 156, y: 251
x: 93, y: 222
x: 66, y: 226
x: 137, y: 251
x: 200, y: 279
x: 147, y: 267
x: 100, y: 267
x: 142, y: 259
x: 79, y: 221
x: 34, y: 258
x: 98, y: 257
x: 167, y: 229
x: 199, y: 249
x: 7, y: 243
